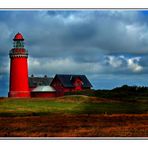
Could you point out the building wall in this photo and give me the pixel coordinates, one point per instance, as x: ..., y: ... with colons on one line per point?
x: 78, y: 84
x: 43, y: 94
x: 31, y: 88
x: 56, y: 84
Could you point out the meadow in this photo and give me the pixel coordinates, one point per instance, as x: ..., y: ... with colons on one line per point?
x: 73, y: 116
x: 76, y: 104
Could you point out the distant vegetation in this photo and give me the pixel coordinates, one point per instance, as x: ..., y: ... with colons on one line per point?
x: 123, y: 93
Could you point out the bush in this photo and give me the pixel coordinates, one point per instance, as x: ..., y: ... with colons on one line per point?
x: 123, y: 93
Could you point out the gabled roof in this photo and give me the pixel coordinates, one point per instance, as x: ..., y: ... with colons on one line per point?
x: 39, y: 81
x: 66, y: 80
x: 43, y: 89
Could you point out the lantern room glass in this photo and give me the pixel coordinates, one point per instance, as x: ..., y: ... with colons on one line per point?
x: 18, y: 44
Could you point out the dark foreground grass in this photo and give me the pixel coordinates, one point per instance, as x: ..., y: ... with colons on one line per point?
x: 82, y: 105
x: 74, y: 125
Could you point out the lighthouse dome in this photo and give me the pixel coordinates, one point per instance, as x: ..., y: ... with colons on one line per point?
x: 18, y: 36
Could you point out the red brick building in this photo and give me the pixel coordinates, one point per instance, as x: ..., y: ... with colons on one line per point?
x: 57, y: 86
x: 69, y: 83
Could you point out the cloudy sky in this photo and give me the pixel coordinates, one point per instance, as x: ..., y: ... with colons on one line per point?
x: 109, y: 46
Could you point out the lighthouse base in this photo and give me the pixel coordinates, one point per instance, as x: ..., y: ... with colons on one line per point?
x: 19, y: 94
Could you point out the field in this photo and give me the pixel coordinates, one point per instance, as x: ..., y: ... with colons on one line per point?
x: 73, y: 116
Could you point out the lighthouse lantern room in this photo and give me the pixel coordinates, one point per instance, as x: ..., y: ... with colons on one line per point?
x: 19, y: 86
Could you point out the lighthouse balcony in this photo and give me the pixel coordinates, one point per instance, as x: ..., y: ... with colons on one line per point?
x: 17, y: 52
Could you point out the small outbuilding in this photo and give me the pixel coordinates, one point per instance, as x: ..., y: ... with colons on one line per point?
x: 39, y: 81
x: 43, y: 92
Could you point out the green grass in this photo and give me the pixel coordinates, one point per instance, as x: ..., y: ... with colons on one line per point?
x: 29, y: 107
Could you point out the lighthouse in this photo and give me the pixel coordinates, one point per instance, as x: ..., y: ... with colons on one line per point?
x: 18, y: 86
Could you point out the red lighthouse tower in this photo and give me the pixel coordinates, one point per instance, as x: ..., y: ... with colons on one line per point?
x: 19, y: 86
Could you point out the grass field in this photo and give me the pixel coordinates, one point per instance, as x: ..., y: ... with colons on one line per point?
x: 71, y: 105
x: 72, y: 116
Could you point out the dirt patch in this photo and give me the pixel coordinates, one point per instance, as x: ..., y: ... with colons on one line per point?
x: 59, y: 125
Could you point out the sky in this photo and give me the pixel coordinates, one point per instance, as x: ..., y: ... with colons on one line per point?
x: 110, y: 47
